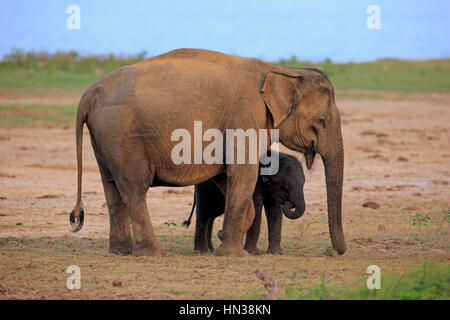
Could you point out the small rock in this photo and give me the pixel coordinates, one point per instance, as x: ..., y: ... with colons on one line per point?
x: 48, y: 196
x: 437, y: 182
x: 403, y: 159
x: 382, y: 135
x: 3, y: 198
x: 368, y: 133
x: 117, y: 283
x: 371, y: 204
x: 19, y: 224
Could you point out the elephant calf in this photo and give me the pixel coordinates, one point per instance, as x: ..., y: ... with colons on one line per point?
x: 282, y: 192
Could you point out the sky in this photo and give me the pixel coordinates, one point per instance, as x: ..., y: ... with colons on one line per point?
x: 310, y: 30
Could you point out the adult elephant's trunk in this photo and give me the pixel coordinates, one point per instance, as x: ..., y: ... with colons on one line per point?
x: 333, y: 158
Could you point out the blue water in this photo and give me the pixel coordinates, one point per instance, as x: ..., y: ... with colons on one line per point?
x: 313, y: 30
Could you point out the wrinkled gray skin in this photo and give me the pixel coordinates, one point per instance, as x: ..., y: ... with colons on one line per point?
x: 279, y: 193
x: 132, y: 112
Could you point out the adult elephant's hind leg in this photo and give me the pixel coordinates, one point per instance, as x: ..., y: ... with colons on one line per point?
x: 239, y: 208
x: 120, y: 238
x: 133, y: 183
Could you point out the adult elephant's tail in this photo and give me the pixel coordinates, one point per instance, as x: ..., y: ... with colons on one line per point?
x: 86, y: 103
x: 187, y: 222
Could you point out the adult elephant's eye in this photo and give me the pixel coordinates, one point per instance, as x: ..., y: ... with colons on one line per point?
x: 321, y: 122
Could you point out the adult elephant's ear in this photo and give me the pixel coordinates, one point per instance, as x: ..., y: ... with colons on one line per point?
x: 279, y: 93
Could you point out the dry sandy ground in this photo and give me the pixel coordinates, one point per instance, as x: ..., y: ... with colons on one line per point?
x: 397, y: 153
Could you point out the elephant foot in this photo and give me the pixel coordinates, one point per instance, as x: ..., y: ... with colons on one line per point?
x: 202, y: 248
x: 253, y: 250
x: 231, y: 251
x: 121, y: 247
x: 202, y: 252
x: 277, y: 250
x: 146, y: 250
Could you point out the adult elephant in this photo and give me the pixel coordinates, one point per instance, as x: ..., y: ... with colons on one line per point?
x: 132, y: 112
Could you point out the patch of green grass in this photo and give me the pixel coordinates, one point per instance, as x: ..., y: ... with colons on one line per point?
x: 66, y: 70
x: 37, y: 115
x: 431, y: 281
x: 386, y: 74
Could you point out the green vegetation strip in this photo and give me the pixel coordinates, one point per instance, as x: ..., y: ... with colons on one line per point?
x: 37, y: 115
x: 70, y: 70
x: 401, y: 75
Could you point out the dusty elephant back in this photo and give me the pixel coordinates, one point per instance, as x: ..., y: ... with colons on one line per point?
x: 188, y: 55
x: 183, y: 77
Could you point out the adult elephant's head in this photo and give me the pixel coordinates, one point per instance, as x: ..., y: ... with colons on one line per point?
x: 303, y: 108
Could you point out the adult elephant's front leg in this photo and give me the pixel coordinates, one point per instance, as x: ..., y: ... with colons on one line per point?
x: 239, y: 208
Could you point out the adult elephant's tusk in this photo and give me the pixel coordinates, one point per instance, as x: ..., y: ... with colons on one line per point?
x: 309, y: 157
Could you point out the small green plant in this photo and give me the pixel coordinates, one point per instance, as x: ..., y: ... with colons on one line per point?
x: 170, y: 225
x: 420, y: 220
x: 321, y: 291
